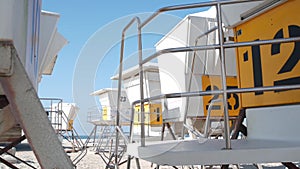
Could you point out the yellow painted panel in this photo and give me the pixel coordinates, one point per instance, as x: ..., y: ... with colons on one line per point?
x: 156, y: 114
x: 153, y: 114
x: 70, y: 125
x: 270, y: 65
x: 137, y: 114
x: 104, y: 113
x: 214, y: 83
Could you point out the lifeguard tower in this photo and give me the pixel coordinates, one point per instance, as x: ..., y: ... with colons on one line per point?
x: 29, y: 46
x: 108, y: 100
x: 264, y: 36
x: 195, y: 71
x: 104, y: 129
x: 153, y: 109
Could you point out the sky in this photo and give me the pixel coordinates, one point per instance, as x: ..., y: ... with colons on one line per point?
x: 93, y: 29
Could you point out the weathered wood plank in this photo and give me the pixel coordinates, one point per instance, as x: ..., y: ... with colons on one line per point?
x: 7, y: 120
x: 11, y: 135
x: 29, y: 113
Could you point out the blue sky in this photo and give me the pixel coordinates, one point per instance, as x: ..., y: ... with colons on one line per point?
x: 93, y: 29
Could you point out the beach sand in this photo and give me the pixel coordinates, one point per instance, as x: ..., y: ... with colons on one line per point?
x: 94, y: 161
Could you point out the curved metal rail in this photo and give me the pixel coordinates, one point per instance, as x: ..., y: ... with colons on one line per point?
x: 221, y: 46
x: 135, y: 19
x: 192, y: 72
x: 217, y: 4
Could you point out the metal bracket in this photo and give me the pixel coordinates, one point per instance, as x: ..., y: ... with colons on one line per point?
x: 6, y: 53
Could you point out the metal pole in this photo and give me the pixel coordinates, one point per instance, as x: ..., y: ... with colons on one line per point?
x: 141, y: 86
x: 223, y: 78
x: 118, y: 101
x: 221, y: 47
x: 191, y: 6
x: 131, y: 124
x: 214, y: 92
x: 120, y: 80
x: 215, y: 46
x: 95, y: 133
x: 191, y: 76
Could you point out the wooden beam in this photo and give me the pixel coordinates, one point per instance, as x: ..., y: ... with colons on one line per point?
x: 10, y: 135
x: 7, y: 120
x: 29, y: 113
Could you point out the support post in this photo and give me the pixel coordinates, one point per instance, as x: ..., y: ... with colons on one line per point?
x: 171, y: 131
x: 29, y: 112
x: 223, y: 77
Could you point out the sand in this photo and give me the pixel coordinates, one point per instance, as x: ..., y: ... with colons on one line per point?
x: 94, y: 161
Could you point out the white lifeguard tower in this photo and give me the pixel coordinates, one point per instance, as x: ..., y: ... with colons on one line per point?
x: 266, y: 37
x: 153, y: 109
x: 108, y: 100
x: 28, y: 49
x: 196, y: 70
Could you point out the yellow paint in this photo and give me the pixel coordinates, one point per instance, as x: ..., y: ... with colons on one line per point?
x: 214, y: 83
x: 70, y: 125
x: 264, y: 27
x: 153, y: 114
x: 104, y: 113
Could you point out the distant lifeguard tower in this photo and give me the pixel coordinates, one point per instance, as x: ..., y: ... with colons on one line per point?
x: 153, y: 108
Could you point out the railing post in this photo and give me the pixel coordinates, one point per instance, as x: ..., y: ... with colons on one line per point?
x: 191, y: 76
x: 120, y: 80
x: 141, y: 86
x: 223, y: 77
x: 118, y: 101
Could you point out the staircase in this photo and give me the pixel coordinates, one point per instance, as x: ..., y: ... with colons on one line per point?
x: 104, y: 144
x: 63, y: 127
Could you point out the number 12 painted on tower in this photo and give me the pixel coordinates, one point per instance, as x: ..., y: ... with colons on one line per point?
x: 288, y: 66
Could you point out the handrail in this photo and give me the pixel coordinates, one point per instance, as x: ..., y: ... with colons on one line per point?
x: 79, y: 142
x: 217, y: 46
x: 122, y: 134
x: 191, y: 74
x: 191, y: 6
x: 131, y: 123
x: 207, y: 93
x: 57, y: 123
x: 214, y: 92
x: 221, y: 46
x: 223, y: 77
x: 135, y: 19
x: 191, y: 129
x: 207, y: 121
x: 63, y: 119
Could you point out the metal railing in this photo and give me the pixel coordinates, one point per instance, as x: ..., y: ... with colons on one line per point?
x: 53, y: 107
x: 221, y: 47
x: 191, y: 73
x: 138, y: 21
x: 58, y: 119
